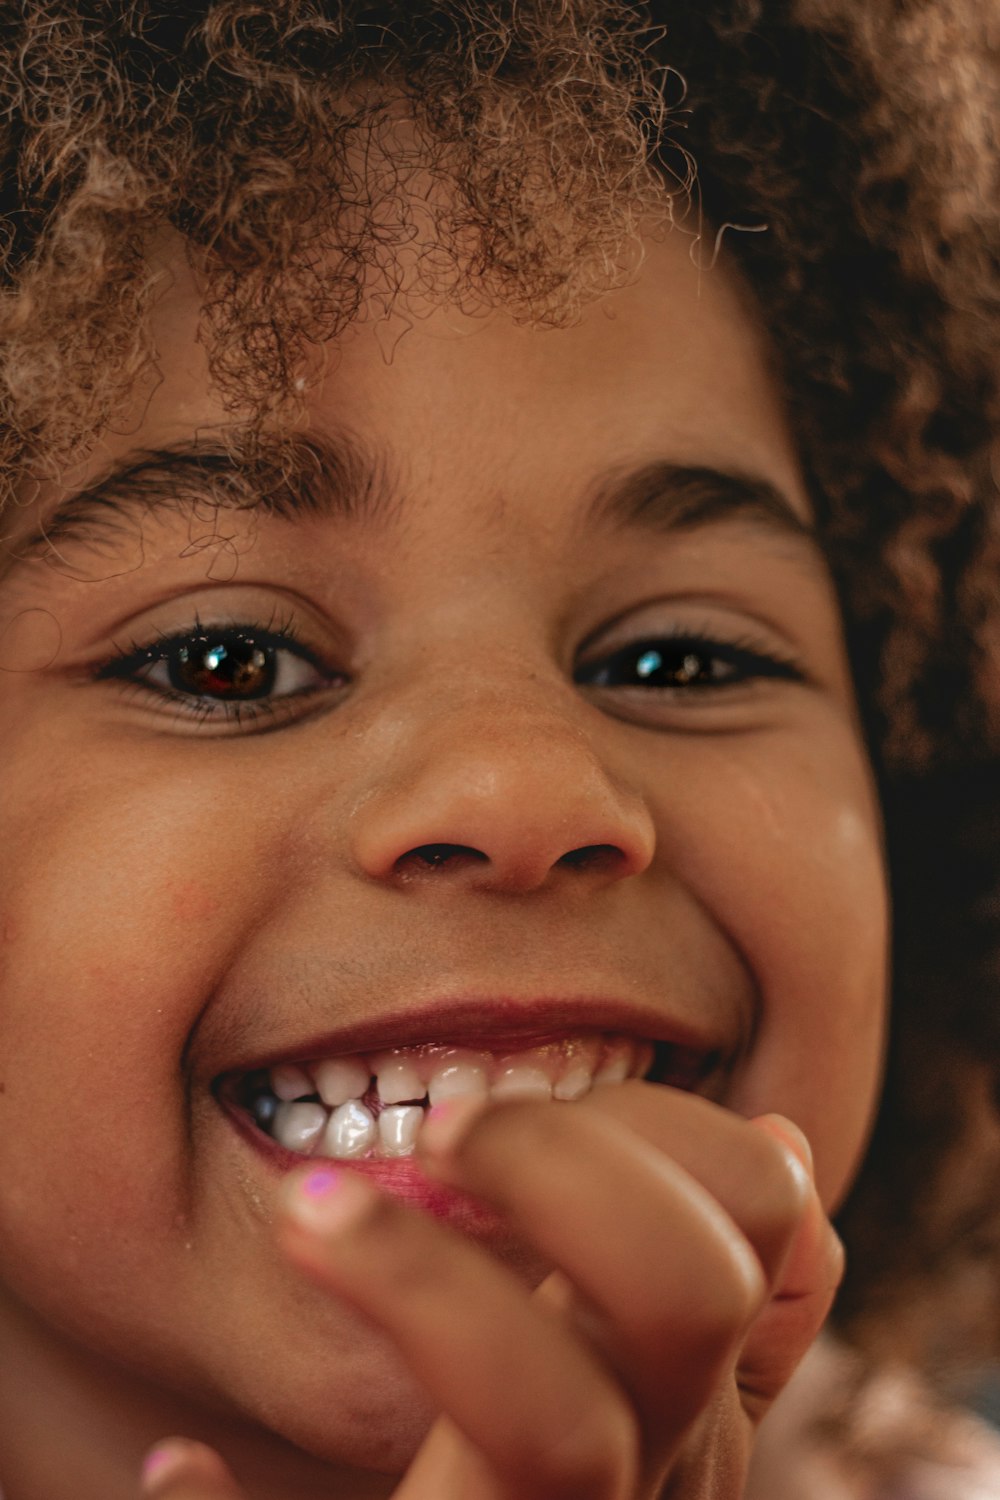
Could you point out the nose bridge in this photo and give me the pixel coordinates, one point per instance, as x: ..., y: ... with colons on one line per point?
x: 493, y: 761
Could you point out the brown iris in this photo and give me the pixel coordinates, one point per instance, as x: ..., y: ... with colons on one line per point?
x: 237, y: 668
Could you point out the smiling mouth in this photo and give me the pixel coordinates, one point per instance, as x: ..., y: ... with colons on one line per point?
x: 370, y: 1106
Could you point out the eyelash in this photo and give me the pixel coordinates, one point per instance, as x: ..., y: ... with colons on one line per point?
x: 277, y: 635
x: 743, y: 657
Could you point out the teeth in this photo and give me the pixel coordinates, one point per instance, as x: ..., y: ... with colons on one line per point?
x: 462, y: 1074
x: 615, y: 1070
x: 396, y: 1079
x: 522, y: 1080
x: 578, y: 1071
x: 341, y: 1078
x: 290, y: 1082
x: 296, y: 1126
x: 351, y: 1131
x: 574, y: 1083
x: 644, y: 1056
x: 398, y: 1125
x: 406, y: 1079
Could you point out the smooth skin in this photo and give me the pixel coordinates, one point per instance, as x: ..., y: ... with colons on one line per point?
x: 187, y: 893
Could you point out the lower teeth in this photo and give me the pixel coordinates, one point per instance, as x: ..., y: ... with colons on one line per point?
x: 349, y: 1131
x: 398, y: 1126
x: 298, y: 1126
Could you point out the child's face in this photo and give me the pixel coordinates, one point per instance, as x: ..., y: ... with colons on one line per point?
x: 188, y: 898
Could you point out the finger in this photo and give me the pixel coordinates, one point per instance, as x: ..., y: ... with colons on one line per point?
x: 672, y: 1279
x: 751, y: 1173
x: 449, y: 1467
x: 515, y: 1379
x: 761, y: 1173
x: 178, y: 1469
x: 794, y: 1315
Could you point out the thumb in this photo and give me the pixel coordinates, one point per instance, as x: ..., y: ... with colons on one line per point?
x: 178, y: 1469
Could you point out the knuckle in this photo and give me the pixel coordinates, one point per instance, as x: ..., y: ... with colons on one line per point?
x: 730, y: 1296
x: 747, y: 1287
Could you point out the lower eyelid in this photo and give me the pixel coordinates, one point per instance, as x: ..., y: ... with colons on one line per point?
x: 170, y: 708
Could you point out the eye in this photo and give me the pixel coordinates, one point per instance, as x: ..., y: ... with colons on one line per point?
x: 688, y: 663
x: 227, y: 672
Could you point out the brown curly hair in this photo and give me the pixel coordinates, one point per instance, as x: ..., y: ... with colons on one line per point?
x: 847, y: 149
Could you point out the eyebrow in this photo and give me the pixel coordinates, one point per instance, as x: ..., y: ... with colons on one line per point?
x: 679, y: 497
x: 296, y: 477
x: 339, y: 479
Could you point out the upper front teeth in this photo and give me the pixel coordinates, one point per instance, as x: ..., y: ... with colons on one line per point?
x: 396, y: 1079
x: 523, y: 1080
x: 461, y: 1074
x: 574, y: 1083
x: 332, y: 1108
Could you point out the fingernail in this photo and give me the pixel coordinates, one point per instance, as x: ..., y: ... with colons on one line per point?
x: 447, y: 1123
x: 161, y: 1464
x: 326, y: 1200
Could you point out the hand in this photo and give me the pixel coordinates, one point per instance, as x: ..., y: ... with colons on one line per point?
x: 695, y: 1267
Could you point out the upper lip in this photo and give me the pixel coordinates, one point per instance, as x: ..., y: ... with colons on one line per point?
x: 494, y: 1023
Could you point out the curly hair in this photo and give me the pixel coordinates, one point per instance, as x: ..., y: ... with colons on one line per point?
x: 924, y: 1213
x: 847, y: 150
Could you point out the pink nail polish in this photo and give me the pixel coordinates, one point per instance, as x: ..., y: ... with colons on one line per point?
x: 154, y: 1462
x: 326, y: 1199
x: 320, y: 1183
x: 159, y: 1462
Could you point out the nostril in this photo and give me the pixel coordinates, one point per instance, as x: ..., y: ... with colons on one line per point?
x: 434, y: 855
x: 593, y: 857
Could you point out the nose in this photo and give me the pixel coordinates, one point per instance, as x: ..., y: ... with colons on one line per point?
x: 499, y: 793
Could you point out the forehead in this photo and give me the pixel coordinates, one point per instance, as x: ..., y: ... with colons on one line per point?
x: 671, y: 372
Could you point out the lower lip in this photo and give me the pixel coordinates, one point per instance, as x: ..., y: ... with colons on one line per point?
x: 401, y: 1177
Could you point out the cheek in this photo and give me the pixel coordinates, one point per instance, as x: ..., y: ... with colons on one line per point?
x: 118, y: 916
x: 120, y: 1216
x: 786, y: 854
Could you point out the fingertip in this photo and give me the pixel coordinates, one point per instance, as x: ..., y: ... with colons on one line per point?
x: 837, y: 1255
x: 446, y: 1126
x: 324, y: 1200
x: 162, y: 1463
x: 789, y: 1134
x: 180, y: 1466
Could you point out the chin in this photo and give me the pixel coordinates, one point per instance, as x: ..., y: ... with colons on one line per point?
x: 374, y: 1421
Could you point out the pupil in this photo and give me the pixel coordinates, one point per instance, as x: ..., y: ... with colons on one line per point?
x: 237, y: 669
x: 670, y: 668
